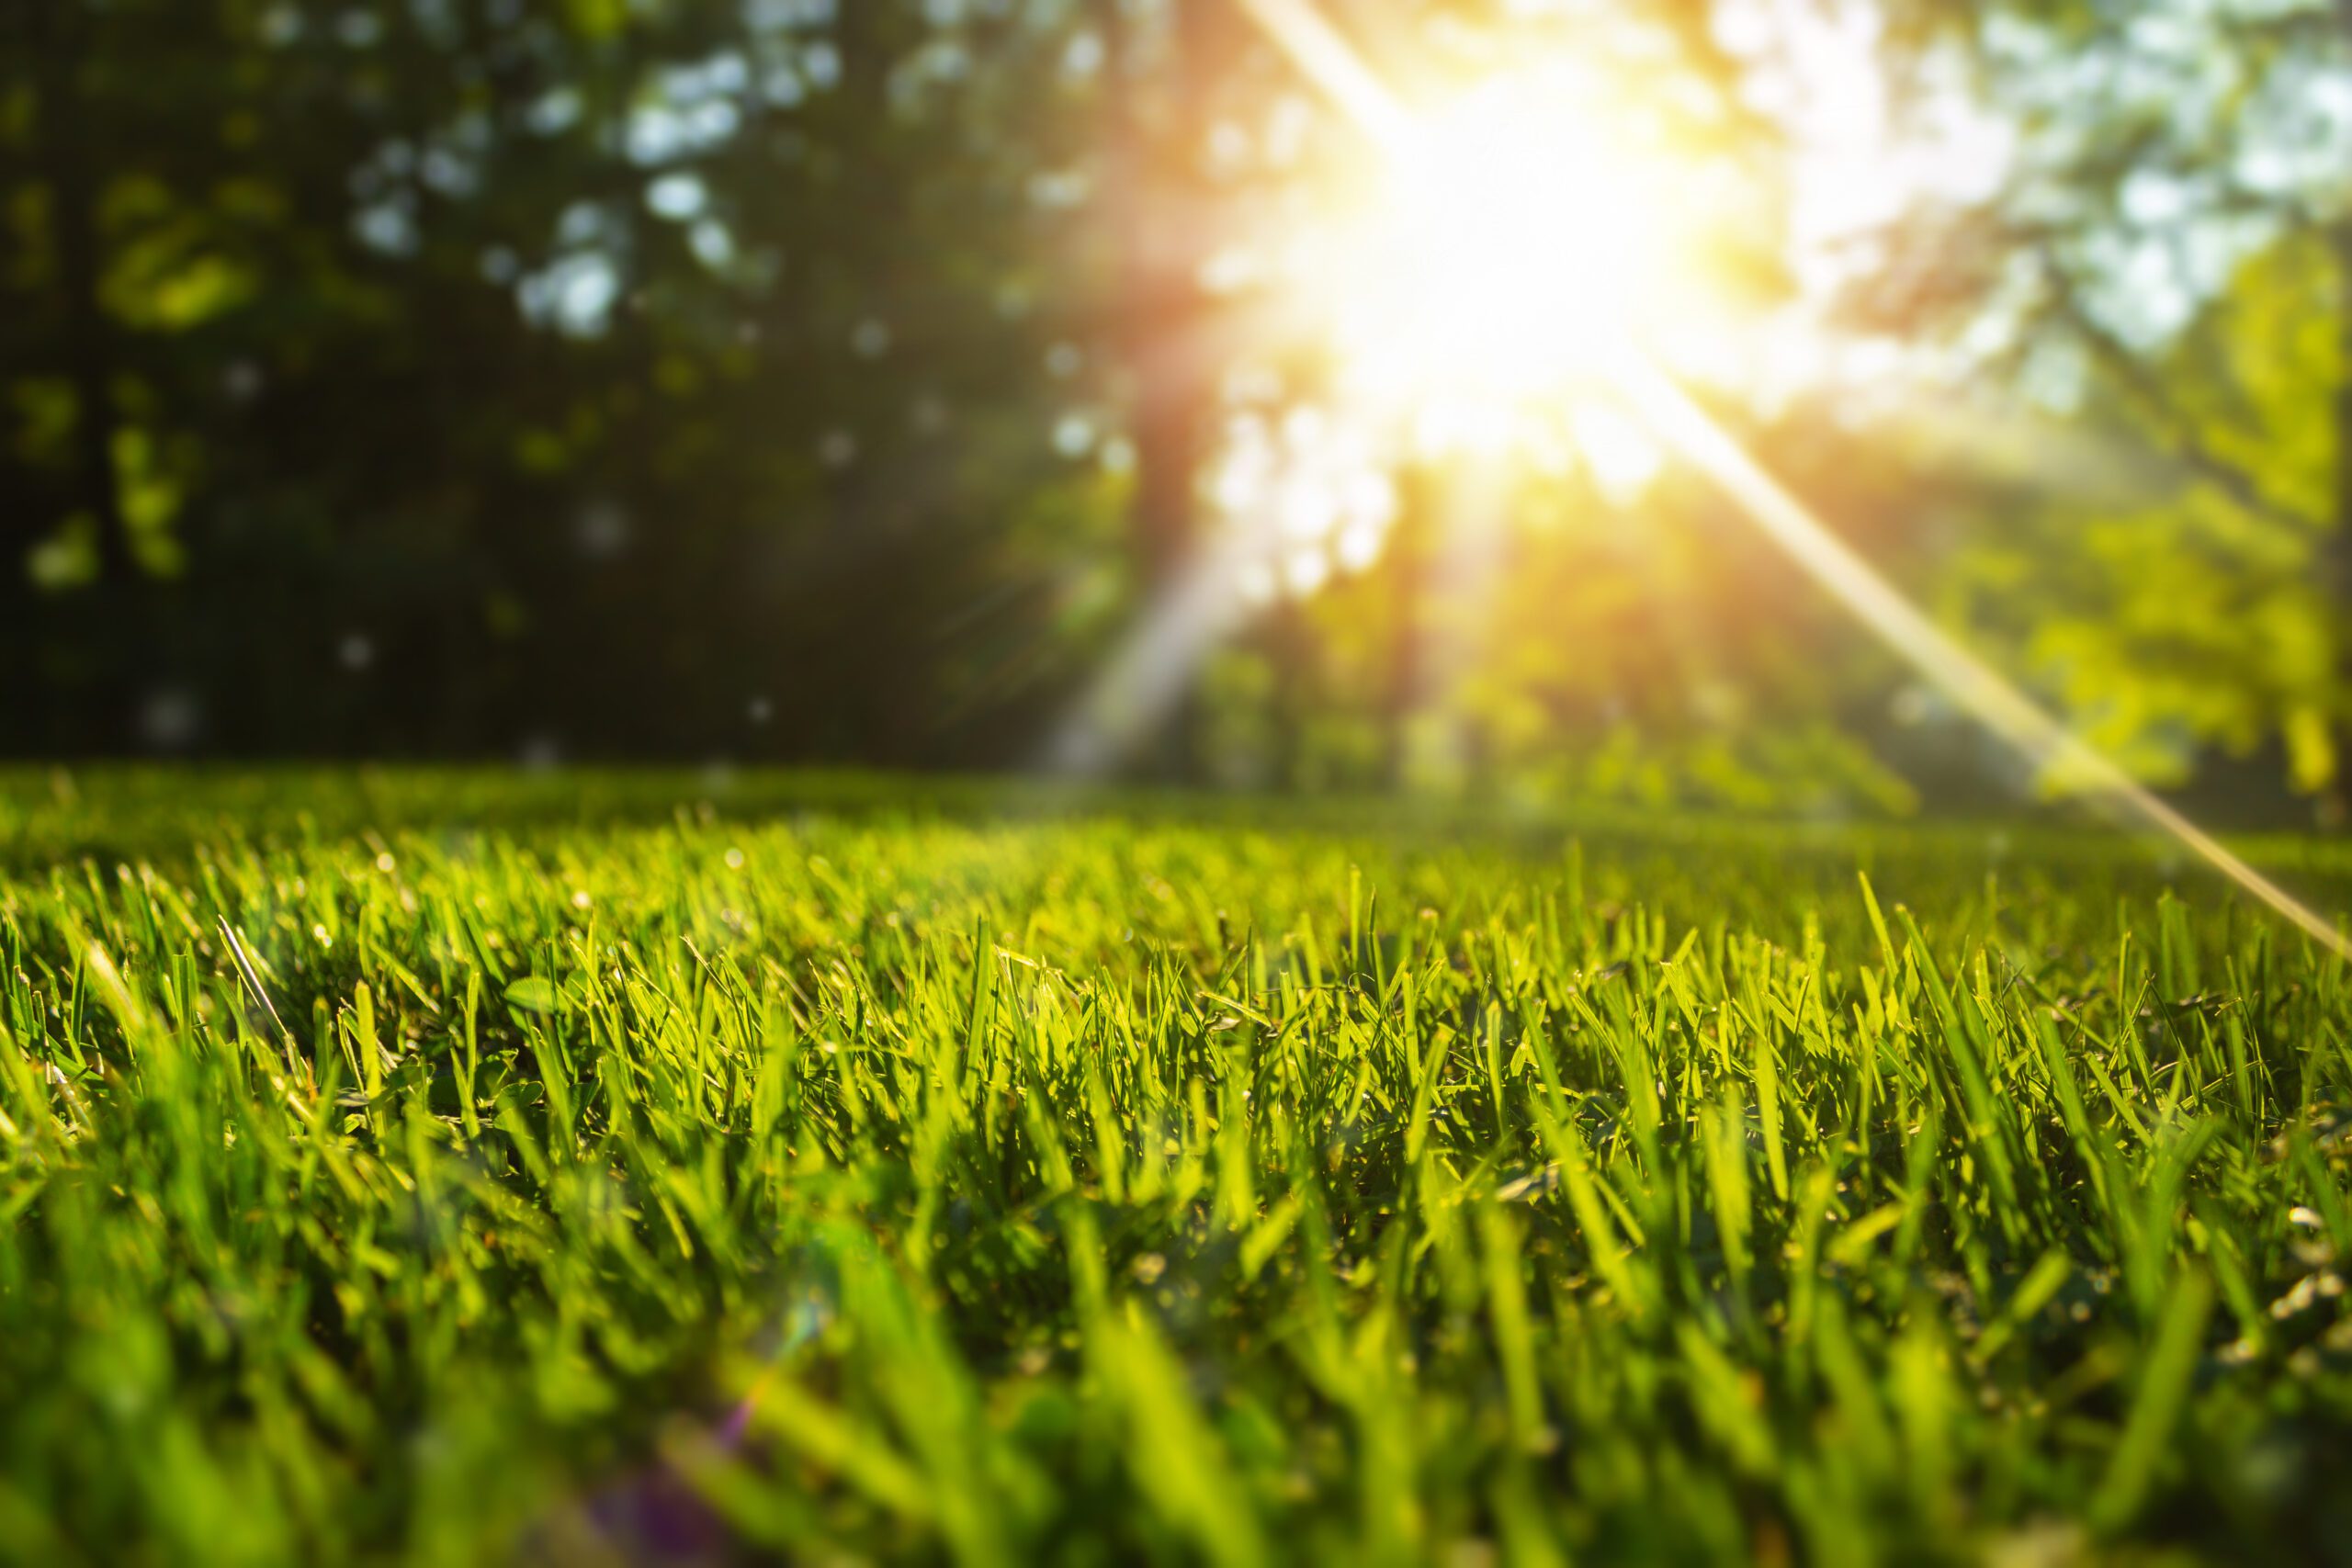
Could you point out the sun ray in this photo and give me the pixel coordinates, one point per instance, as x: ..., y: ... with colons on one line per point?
x: 1338, y: 71
x: 1327, y: 60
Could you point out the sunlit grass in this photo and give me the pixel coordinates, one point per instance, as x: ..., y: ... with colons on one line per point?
x: 817, y: 1167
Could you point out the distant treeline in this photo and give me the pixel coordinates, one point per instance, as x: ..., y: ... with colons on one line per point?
x: 810, y: 380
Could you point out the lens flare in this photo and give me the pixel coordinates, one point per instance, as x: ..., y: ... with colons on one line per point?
x: 1517, y: 239
x: 1609, y: 290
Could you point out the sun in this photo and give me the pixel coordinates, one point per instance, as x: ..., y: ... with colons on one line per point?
x: 1508, y: 253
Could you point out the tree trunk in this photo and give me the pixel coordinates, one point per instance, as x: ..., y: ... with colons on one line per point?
x: 1169, y: 340
x: 61, y: 44
x: 69, y: 166
x: 2335, y: 550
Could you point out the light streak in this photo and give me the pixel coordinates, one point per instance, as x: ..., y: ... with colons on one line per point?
x: 1146, y: 674
x: 1328, y: 61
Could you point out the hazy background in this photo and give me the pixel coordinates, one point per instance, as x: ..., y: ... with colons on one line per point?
x: 859, y: 380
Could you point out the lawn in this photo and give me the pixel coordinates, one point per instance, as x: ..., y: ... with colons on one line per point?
x: 673, y: 1168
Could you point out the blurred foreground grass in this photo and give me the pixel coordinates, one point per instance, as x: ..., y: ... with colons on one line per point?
x: 662, y: 1167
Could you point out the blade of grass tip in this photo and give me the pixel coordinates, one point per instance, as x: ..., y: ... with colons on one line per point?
x: 1174, y: 1454
x: 1869, y: 1434
x: 1723, y: 1151
x: 1537, y: 1038
x: 1495, y: 1069
x: 1918, y: 1196
x: 1237, y: 1193
x: 471, y: 1063
x: 2164, y: 1377
x: 1878, y: 924
x: 1355, y: 920
x: 260, y: 993
x: 1425, y: 1079
x: 2231, y: 1279
x: 1927, y: 1410
x: 129, y: 1012
x: 1623, y: 1035
x: 2035, y: 1292
x: 361, y: 1023
x: 1514, y: 1335
x: 2090, y: 1144
x: 16, y: 1065
x: 1725, y: 1403
x: 1817, y: 1189
x: 2241, y: 1075
x: 1600, y: 1243
x: 1961, y: 1029
x: 2146, y: 1253
x: 982, y: 1014
x: 1768, y: 1106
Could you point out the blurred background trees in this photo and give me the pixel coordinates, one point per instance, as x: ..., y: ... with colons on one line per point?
x: 481, y: 376
x: 857, y: 379
x: 2163, y: 278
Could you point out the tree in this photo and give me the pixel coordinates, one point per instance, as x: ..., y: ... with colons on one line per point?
x: 1173, y: 72
x: 634, y: 377
x: 2168, y: 263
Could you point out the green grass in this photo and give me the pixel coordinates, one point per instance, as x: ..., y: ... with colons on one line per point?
x: 653, y: 1168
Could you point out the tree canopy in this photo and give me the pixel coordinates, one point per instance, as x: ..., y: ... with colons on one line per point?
x: 768, y: 379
